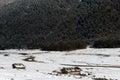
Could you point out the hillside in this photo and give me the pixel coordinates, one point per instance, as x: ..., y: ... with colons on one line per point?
x: 58, y: 24
x: 5, y: 2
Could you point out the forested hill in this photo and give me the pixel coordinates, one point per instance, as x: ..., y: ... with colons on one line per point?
x: 5, y: 2
x: 59, y: 24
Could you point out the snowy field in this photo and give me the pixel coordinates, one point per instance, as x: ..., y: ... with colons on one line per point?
x: 100, y: 63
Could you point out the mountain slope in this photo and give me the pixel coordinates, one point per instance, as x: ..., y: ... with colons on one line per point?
x: 5, y: 2
x: 42, y: 24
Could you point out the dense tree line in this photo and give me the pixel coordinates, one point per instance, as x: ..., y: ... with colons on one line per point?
x: 58, y: 24
x: 107, y: 44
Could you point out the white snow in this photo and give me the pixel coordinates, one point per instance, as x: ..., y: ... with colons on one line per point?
x: 99, y: 62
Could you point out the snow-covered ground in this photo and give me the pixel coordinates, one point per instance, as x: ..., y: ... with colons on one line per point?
x: 101, y: 63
